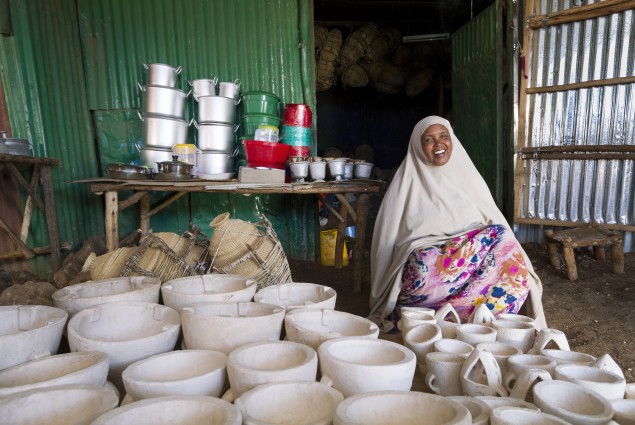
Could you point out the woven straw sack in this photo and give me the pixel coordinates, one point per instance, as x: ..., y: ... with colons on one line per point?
x: 384, y: 87
x: 332, y: 45
x: 352, y: 50
x: 422, y: 56
x: 243, y: 248
x: 367, y: 34
x: 108, y: 265
x: 401, y: 55
x: 419, y: 81
x: 385, y: 73
x: 320, y: 34
x: 325, y: 69
x: 177, y: 243
x: 354, y: 76
x: 392, y: 36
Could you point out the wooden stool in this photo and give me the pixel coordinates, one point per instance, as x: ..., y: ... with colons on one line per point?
x: 593, y: 236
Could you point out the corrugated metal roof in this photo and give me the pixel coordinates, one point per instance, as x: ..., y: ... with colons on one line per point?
x: 600, y: 191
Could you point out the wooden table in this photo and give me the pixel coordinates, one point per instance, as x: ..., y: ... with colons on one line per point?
x: 41, y: 175
x: 141, y: 194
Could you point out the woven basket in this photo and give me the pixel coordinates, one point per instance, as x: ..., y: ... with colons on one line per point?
x: 422, y: 57
x: 419, y: 81
x: 385, y: 87
x: 248, y: 249
x: 354, y: 76
x: 108, y: 265
x: 325, y: 69
x: 320, y: 34
x: 401, y: 55
x: 384, y: 73
x: 352, y: 50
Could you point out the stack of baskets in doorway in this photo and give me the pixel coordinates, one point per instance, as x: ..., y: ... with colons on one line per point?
x: 248, y: 249
x: 162, y: 112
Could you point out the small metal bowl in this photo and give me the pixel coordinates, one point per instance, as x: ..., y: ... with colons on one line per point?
x: 128, y: 172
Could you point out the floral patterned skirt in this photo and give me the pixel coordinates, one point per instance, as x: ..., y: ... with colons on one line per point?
x: 485, y: 265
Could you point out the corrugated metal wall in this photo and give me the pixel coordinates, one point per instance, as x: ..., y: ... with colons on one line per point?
x: 601, y: 191
x: 42, y: 74
x: 70, y: 71
x: 477, y: 85
x: 262, y: 43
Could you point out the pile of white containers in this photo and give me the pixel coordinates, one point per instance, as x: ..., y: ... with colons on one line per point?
x: 216, y: 126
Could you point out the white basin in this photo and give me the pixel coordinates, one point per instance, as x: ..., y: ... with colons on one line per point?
x: 298, y: 294
x: 214, y: 287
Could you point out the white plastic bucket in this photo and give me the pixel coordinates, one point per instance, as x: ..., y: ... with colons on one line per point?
x: 312, y: 327
x: 293, y: 402
x: 77, y: 297
x: 400, y: 408
x: 298, y: 295
x: 358, y: 365
x: 90, y: 367
x: 126, y: 331
x: 58, y: 405
x: 185, y: 372
x: 270, y: 361
x: 227, y: 326
x: 29, y: 332
x: 214, y: 287
x: 172, y: 410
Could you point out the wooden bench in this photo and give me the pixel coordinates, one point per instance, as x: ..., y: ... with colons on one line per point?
x: 581, y: 237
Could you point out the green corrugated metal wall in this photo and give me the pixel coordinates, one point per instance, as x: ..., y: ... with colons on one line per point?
x: 43, y: 78
x: 477, y: 93
x: 70, y: 69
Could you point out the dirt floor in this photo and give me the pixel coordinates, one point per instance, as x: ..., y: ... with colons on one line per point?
x: 596, y: 312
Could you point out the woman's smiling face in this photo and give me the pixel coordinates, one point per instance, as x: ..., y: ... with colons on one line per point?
x: 437, y: 144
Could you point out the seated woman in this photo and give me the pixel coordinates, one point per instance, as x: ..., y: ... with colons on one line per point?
x: 440, y: 238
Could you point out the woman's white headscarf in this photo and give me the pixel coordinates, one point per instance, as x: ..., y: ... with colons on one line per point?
x: 427, y: 205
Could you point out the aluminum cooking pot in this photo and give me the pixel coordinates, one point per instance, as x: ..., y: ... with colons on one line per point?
x: 216, y: 137
x: 175, y: 168
x: 212, y: 162
x: 162, y: 75
x: 163, y: 132
x: 204, y: 87
x: 150, y: 156
x: 216, y: 109
x: 162, y: 100
x: 230, y: 89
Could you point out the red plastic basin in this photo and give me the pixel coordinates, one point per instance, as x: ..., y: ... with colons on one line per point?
x: 272, y: 154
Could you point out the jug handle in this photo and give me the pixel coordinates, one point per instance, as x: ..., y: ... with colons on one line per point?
x: 326, y: 380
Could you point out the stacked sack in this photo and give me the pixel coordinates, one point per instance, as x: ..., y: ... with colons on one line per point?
x: 296, y: 129
x: 162, y: 113
x: 216, y: 125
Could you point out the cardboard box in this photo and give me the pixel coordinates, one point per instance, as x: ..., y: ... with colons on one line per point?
x: 260, y: 175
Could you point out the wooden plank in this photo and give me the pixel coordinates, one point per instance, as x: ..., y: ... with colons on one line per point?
x: 579, y: 148
x: 581, y: 85
x: 560, y: 223
x: 111, y: 215
x: 580, y: 156
x: 34, y: 160
x: 360, y: 241
x: 48, y: 191
x: 163, y: 205
x: 131, y: 200
x: 575, y: 14
x: 24, y: 185
x: 26, y: 251
x: 330, y: 207
x: 341, y: 235
x: 344, y: 200
x: 41, y: 250
x: 144, y: 209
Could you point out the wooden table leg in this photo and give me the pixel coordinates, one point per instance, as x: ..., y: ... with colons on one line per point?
x: 51, y: 217
x: 617, y: 257
x: 144, y: 208
x: 360, y: 238
x: 341, y: 235
x: 111, y: 199
x: 552, y: 249
x: 569, y: 260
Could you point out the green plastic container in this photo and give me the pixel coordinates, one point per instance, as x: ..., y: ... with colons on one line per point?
x: 260, y: 102
x: 250, y: 122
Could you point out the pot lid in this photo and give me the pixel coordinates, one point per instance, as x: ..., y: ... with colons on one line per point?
x: 175, y: 161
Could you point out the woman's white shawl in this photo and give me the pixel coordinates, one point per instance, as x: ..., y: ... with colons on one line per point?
x: 427, y: 205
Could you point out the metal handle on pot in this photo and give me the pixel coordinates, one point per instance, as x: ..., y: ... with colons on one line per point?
x: 237, y: 82
x: 140, y: 116
x: 236, y: 102
x: 195, y: 97
x: 142, y: 88
x: 188, y: 94
x: 145, y: 65
x: 234, y: 154
x: 193, y: 121
x: 178, y: 70
x: 215, y: 80
x: 236, y: 127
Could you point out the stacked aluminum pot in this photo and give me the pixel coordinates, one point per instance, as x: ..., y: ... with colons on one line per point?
x: 216, y: 126
x: 162, y: 113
